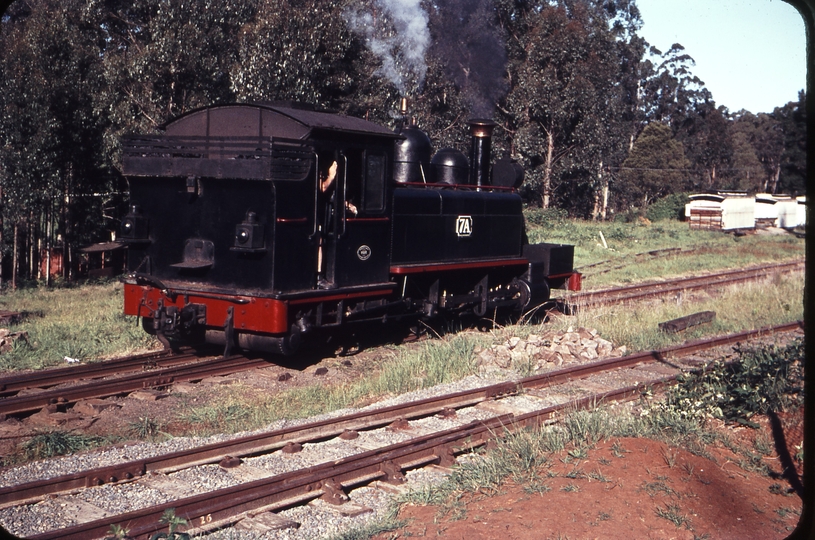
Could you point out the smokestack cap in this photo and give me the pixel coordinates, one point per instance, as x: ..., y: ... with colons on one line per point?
x: 481, y: 128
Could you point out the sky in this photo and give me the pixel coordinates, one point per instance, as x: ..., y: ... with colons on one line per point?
x: 751, y: 54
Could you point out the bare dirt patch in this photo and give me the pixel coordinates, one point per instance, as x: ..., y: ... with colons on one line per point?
x: 636, y: 488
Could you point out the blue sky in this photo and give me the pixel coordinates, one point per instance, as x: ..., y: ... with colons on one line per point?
x: 751, y: 54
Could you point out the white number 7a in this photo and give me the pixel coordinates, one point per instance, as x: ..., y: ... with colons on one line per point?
x: 464, y: 225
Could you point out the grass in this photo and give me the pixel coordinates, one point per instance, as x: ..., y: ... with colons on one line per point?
x: 741, y: 307
x: 240, y: 408
x: 701, y: 251
x: 83, y: 322
x: 54, y: 443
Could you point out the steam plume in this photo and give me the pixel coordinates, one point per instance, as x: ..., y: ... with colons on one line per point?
x: 396, y: 31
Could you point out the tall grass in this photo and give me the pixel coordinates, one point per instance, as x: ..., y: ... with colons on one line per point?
x: 83, y: 322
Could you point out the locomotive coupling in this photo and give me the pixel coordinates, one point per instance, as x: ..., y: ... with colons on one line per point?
x: 170, y: 320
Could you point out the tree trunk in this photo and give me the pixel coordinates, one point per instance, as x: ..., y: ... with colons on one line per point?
x: 15, y: 259
x: 547, y: 168
x: 32, y: 248
x: 48, y: 246
x: 775, y: 178
x: 599, y: 202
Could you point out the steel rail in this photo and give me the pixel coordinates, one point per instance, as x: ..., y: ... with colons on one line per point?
x: 326, y: 429
x: 128, y: 383
x: 51, y: 377
x: 632, y: 292
x: 224, y: 507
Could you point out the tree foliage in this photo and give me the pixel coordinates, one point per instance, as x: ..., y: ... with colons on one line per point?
x: 655, y: 167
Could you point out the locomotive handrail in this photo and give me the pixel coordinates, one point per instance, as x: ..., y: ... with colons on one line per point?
x: 196, y: 146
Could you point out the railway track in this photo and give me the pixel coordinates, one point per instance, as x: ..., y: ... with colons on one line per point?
x: 46, y: 378
x: 183, y: 367
x: 332, y: 479
x: 642, y: 291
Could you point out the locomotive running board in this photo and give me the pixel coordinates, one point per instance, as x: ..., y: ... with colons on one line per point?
x: 357, y: 291
x: 423, y: 268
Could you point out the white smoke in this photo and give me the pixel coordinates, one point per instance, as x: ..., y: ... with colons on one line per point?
x: 400, y: 41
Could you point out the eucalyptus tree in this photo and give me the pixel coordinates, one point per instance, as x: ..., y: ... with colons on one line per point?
x: 163, y: 58
x: 765, y: 135
x: 572, y: 91
x: 792, y: 177
x: 655, y: 167
x: 705, y: 135
x: 52, y: 129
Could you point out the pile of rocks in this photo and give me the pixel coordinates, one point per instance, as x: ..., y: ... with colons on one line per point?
x: 570, y: 346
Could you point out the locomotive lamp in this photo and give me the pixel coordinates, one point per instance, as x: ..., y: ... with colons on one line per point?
x: 249, y: 234
x: 134, y: 227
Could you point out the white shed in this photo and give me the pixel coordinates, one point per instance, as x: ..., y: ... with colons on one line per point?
x: 787, y: 211
x: 766, y: 210
x: 723, y: 211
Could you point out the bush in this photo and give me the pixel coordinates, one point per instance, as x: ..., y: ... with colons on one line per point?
x: 765, y: 379
x: 670, y: 207
x: 547, y: 217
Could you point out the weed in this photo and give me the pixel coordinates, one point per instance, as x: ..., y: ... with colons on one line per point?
x: 599, y: 476
x: 778, y: 489
x: 537, y: 488
x: 654, y: 488
x: 617, y: 450
x: 673, y: 513
x: 578, y: 453
x: 784, y: 512
x: 145, y: 428
x: 57, y: 443
x: 371, y: 529
x: 570, y: 488
x: 763, y: 444
x: 670, y: 455
x: 117, y: 532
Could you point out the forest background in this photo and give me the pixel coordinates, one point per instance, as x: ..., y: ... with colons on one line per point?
x: 603, y: 123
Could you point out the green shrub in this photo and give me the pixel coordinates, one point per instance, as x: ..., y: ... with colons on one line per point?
x: 765, y: 379
x: 547, y: 217
x: 670, y: 207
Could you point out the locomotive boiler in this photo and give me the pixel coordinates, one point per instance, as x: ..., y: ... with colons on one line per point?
x: 260, y: 225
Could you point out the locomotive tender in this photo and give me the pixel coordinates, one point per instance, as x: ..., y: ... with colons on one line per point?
x: 233, y: 240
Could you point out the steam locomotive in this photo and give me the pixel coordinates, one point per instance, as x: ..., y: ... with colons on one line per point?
x: 260, y: 225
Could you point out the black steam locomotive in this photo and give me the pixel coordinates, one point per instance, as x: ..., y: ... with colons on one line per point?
x: 258, y: 225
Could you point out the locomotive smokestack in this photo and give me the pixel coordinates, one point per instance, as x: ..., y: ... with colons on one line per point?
x: 481, y: 131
